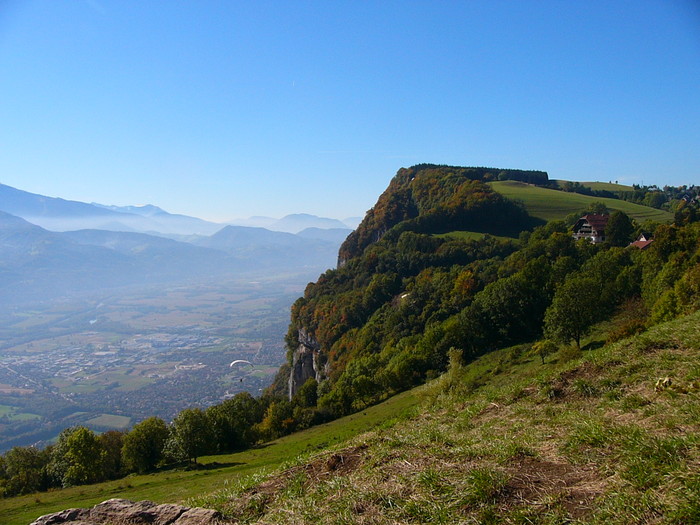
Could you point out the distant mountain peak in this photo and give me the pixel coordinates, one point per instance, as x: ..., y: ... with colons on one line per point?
x: 296, y: 222
x: 146, y: 210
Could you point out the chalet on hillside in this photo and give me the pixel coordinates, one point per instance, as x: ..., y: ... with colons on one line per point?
x: 643, y: 241
x: 591, y: 227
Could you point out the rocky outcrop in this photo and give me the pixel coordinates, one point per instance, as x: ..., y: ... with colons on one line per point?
x: 305, y: 362
x: 122, y: 511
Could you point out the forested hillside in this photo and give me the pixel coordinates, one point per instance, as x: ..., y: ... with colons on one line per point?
x: 405, y: 293
x: 435, y: 199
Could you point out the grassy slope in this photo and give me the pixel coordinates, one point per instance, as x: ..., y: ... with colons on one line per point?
x: 582, y: 439
x: 609, y: 186
x: 176, y: 486
x: 552, y: 204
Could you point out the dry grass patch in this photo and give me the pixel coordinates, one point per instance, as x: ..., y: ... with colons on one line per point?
x: 540, y: 482
x: 253, y: 502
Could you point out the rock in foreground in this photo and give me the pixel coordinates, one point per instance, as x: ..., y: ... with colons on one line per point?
x: 122, y: 511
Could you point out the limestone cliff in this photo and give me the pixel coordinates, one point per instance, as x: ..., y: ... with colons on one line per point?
x: 305, y: 362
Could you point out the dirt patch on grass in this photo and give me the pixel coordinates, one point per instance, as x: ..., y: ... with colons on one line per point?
x: 586, y: 370
x: 575, y: 383
x: 254, y: 503
x: 537, y: 481
x: 339, y: 463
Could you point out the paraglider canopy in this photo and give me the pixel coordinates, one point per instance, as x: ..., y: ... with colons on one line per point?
x: 238, y: 364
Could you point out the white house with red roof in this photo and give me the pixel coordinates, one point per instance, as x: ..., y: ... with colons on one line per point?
x: 591, y: 227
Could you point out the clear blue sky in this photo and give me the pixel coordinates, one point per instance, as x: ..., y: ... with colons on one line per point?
x: 224, y: 109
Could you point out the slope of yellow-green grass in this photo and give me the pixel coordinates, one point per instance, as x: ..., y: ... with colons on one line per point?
x: 216, y: 472
x: 549, y: 204
x: 585, y: 438
x: 597, y: 185
x: 607, y: 186
x: 590, y: 437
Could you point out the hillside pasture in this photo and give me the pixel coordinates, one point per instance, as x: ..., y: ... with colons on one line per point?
x: 607, y: 186
x: 588, y: 437
x: 215, y: 472
x: 12, y: 413
x: 547, y: 204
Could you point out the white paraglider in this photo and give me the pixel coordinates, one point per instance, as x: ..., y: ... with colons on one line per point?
x: 239, y: 365
x: 239, y: 361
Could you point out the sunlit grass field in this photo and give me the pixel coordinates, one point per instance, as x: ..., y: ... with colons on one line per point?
x: 217, y: 472
x: 549, y: 204
x: 586, y: 437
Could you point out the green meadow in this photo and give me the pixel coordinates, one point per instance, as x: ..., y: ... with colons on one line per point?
x: 547, y: 204
x: 215, y: 472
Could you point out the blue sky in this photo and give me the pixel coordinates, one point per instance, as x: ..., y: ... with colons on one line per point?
x: 230, y: 109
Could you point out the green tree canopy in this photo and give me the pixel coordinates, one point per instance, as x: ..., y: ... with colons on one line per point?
x: 77, y: 458
x: 597, y: 207
x: 233, y: 420
x: 619, y: 230
x: 143, y: 445
x: 112, y: 442
x: 22, y: 470
x: 190, y: 435
x: 543, y: 348
x: 573, y: 310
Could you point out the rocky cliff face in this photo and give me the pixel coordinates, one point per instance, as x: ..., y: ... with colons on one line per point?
x: 305, y: 362
x: 122, y: 511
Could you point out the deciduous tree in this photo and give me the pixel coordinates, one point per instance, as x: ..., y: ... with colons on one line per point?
x: 619, y: 229
x: 77, y: 457
x: 143, y: 445
x: 190, y: 435
x: 573, y: 310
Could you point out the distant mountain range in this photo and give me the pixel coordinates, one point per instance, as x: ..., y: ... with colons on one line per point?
x: 38, y: 265
x: 60, y: 215
x: 51, y: 247
x: 64, y: 215
x: 298, y: 222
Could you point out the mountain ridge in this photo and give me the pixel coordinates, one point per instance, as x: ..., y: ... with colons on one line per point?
x: 53, y: 213
x: 57, y: 214
x: 37, y: 264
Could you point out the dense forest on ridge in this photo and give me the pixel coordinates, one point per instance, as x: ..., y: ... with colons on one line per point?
x: 405, y: 293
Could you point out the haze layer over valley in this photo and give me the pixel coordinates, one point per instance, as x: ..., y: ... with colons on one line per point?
x: 109, y: 315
